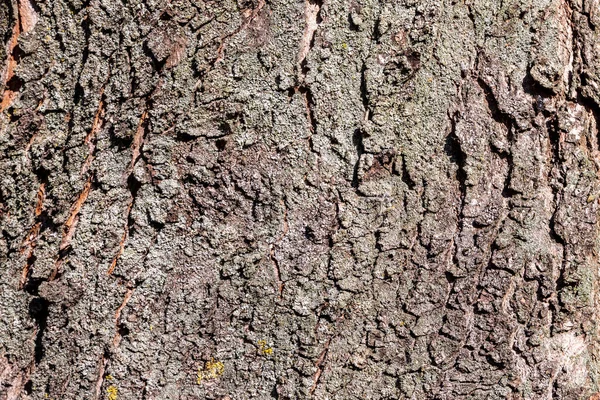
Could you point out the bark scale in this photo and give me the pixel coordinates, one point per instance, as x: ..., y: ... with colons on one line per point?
x: 328, y: 199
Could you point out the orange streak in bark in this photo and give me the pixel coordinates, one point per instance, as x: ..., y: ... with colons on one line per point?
x: 121, y: 244
x: 117, y: 337
x: 71, y: 223
x: 9, y: 95
x: 318, y: 364
x: 29, y: 242
x: 26, y: 20
x: 40, y: 199
x: 101, y: 368
x: 138, y: 140
x: 116, y: 340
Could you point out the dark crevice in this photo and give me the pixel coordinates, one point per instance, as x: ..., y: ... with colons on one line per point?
x: 47, y: 222
x: 121, y: 143
x: 134, y: 186
x: 589, y: 20
x: 494, y: 363
x: 554, y: 136
x: 39, y: 311
x: 309, y: 233
x: 156, y: 64
x: 62, y: 253
x: 457, y: 156
x: 319, y: 4
x: 61, y: 42
x: 166, y: 16
x: 18, y: 53
x: 593, y: 106
x: 507, y: 190
x: 505, y: 119
x: 87, y: 31
x: 450, y: 277
x: 156, y: 225
x: 221, y: 144
x: 558, y: 187
x: 562, y: 284
x: 185, y: 137
x: 533, y: 88
x: 14, y: 17
x: 353, y: 26
x: 28, y: 388
x: 364, y: 92
x: 310, y: 103
x: 79, y: 93
x: 472, y: 17
x: 497, y: 114
x: 406, y: 178
x: 14, y: 84
x: 377, y: 31
x: 123, y: 330
x: 357, y: 140
x: 275, y: 393
x: 378, y: 245
x: 32, y: 285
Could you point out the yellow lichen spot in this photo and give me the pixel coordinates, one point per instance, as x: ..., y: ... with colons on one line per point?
x: 212, y: 370
x: 344, y: 46
x: 112, y: 392
x: 268, y: 351
x: 109, y: 377
x: 264, y: 349
x: 591, y: 198
x: 151, y: 327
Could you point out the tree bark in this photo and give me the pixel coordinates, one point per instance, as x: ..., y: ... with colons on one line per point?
x: 326, y: 199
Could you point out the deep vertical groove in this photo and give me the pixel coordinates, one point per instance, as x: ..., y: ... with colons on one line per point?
x: 357, y: 140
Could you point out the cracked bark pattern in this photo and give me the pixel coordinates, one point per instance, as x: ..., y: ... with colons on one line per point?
x: 399, y: 198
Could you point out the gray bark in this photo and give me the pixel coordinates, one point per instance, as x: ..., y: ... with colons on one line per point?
x: 327, y: 199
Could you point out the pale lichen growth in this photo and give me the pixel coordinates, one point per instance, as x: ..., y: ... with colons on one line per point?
x: 212, y: 370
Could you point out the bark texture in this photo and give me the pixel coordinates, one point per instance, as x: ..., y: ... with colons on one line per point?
x: 327, y: 199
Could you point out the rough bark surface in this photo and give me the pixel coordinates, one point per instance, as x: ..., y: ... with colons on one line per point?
x: 328, y: 199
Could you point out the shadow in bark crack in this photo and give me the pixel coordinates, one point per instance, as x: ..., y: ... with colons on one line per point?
x: 357, y: 140
x: 39, y: 310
